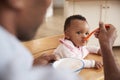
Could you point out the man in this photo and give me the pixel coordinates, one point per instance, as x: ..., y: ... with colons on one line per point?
x: 106, y: 39
x: 19, y: 19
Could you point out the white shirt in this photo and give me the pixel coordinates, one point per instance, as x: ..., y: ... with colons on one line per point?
x: 67, y: 49
x: 16, y: 62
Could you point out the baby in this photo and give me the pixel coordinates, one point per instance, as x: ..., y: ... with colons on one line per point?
x: 73, y: 45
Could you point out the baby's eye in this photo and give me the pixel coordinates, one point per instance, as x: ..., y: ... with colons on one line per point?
x: 79, y: 32
x: 87, y: 33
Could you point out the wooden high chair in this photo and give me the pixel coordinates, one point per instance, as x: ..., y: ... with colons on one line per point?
x: 48, y: 44
x: 43, y: 45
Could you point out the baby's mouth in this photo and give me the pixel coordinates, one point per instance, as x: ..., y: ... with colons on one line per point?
x: 83, y: 41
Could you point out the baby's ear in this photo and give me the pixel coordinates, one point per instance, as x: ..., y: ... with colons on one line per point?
x: 67, y: 35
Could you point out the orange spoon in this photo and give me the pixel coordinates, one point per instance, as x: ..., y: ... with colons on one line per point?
x: 93, y: 32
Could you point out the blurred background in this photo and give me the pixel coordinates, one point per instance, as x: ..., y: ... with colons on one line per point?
x: 94, y: 10
x: 54, y: 21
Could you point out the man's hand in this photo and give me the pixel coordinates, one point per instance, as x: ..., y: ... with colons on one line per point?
x: 106, y: 35
x: 45, y: 59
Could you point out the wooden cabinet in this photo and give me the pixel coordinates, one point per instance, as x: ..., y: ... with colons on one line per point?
x: 95, y: 10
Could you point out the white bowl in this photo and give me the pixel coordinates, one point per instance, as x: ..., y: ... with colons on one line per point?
x: 75, y: 65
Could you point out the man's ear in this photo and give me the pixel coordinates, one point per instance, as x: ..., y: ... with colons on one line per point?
x: 16, y: 4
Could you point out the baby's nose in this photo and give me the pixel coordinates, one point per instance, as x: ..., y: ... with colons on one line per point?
x: 83, y: 35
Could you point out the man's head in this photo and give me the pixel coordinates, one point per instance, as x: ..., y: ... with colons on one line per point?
x: 22, y: 17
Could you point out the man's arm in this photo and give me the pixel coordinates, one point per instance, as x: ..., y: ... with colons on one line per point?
x: 106, y: 39
x: 45, y: 59
x: 111, y: 69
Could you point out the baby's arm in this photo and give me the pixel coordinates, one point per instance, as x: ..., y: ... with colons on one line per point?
x: 58, y: 56
x: 94, y: 50
x: 92, y: 64
x: 62, y: 52
x: 58, y: 52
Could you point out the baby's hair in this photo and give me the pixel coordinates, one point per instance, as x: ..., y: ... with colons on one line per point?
x: 73, y: 17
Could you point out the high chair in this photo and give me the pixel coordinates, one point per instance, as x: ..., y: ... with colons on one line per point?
x: 48, y: 44
x: 43, y: 45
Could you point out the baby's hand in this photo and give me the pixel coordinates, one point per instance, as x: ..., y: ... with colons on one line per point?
x: 98, y: 64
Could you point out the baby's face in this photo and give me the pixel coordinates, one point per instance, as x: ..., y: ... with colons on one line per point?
x: 77, y: 31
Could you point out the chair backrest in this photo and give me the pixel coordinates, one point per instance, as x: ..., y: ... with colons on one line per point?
x: 43, y: 45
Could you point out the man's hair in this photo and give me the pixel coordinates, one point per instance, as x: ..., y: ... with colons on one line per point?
x: 3, y: 2
x: 73, y: 17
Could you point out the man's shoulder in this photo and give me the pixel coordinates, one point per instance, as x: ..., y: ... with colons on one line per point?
x: 10, y: 45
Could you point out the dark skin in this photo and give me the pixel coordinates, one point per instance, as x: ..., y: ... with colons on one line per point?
x: 22, y: 18
x: 76, y: 32
x: 106, y: 39
x: 45, y: 59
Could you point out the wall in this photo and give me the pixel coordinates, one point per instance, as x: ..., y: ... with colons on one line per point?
x: 50, y: 10
x: 58, y: 3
